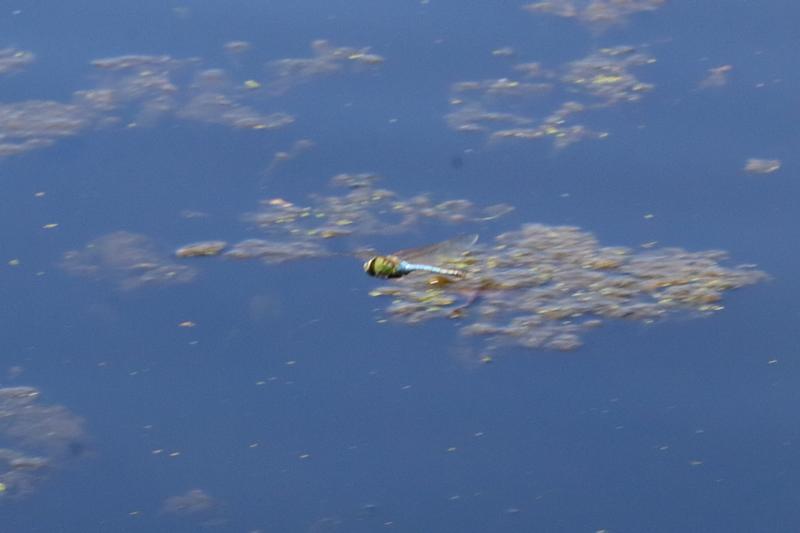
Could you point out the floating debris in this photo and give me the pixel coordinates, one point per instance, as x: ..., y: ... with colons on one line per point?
x: 505, y: 51
x: 544, y: 286
x: 762, y: 166
x: 201, y: 249
x: 127, y: 259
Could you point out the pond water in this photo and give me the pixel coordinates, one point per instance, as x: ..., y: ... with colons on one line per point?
x: 190, y: 191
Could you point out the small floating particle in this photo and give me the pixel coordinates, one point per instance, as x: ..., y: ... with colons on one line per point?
x: 252, y: 84
x: 174, y: 454
x: 187, y: 324
x: 39, y: 194
x: 13, y: 262
x: 506, y: 51
x: 772, y: 362
x: 279, y: 202
x: 762, y: 166
x: 451, y: 449
x: 717, y: 77
x: 695, y: 462
x: 649, y: 216
x: 304, y: 456
x: 486, y: 359
x: 237, y: 47
x: 52, y: 225
x: 201, y: 249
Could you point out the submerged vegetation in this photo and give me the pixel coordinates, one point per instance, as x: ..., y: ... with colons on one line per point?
x: 127, y: 259
x: 35, y: 439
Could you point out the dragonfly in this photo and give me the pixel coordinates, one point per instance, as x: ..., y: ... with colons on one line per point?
x: 424, y: 259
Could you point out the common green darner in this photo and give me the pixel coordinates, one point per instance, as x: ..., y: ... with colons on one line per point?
x: 435, y: 259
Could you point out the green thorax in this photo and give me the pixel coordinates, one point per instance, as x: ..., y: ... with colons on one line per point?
x: 384, y: 266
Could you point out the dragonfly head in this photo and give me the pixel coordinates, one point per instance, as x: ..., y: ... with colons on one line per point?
x: 383, y: 266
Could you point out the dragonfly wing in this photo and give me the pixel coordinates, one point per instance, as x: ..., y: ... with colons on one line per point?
x: 363, y: 252
x: 434, y: 253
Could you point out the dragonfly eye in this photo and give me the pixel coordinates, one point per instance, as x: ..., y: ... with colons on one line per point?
x: 369, y: 266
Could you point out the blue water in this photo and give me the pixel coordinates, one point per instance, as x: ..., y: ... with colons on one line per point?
x: 296, y: 411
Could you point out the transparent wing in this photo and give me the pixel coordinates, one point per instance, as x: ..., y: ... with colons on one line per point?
x: 363, y: 253
x: 442, y: 251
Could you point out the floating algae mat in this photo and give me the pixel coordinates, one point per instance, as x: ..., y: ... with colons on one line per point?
x: 544, y: 286
x: 537, y: 287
